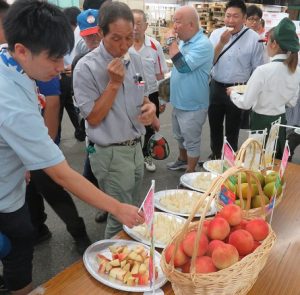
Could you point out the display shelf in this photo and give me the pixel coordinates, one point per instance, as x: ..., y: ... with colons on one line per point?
x: 211, y: 14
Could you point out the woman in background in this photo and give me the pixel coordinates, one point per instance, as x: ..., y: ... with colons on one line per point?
x: 274, y: 85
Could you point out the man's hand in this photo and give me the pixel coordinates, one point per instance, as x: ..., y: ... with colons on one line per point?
x: 27, y: 177
x: 116, y: 71
x: 229, y: 90
x: 156, y: 124
x: 225, y: 37
x: 129, y: 215
x: 147, y: 115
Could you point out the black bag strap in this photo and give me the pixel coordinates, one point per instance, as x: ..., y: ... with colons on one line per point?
x: 231, y: 45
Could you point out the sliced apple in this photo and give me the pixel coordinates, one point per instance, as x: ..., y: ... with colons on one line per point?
x: 108, y: 267
x: 135, y: 268
x: 114, y: 272
x: 126, y: 267
x: 119, y: 249
x: 139, y: 249
x: 115, y: 262
x: 120, y: 274
x: 143, y: 268
x: 100, y: 258
x: 127, y: 276
x: 144, y: 255
x: 126, y: 250
x: 131, y: 281
x: 139, y: 258
x: 123, y: 263
x: 143, y: 279
x: 132, y: 255
x: 122, y: 256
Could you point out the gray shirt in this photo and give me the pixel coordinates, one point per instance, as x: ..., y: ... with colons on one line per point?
x: 90, y: 81
x: 238, y: 63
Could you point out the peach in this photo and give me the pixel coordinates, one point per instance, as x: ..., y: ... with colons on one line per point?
x: 218, y: 229
x: 188, y: 243
x: 256, y: 244
x: 204, y: 264
x: 258, y: 228
x: 180, y: 257
x: 205, y: 226
x: 225, y: 256
x: 242, y: 225
x: 213, y: 245
x: 186, y: 267
x: 232, y: 213
x: 242, y: 240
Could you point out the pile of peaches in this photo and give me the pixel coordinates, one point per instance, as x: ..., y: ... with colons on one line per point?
x: 224, y: 240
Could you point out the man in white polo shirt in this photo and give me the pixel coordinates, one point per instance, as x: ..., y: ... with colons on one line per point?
x: 154, y: 66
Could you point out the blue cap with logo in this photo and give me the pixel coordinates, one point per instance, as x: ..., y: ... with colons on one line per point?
x: 87, y: 21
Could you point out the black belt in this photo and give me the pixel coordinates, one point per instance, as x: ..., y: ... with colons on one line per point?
x: 225, y: 85
x: 130, y: 142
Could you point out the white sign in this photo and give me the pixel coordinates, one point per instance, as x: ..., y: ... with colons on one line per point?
x: 272, y: 19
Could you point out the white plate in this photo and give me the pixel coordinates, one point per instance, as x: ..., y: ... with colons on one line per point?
x: 101, y: 247
x: 210, y: 166
x: 188, y: 180
x: 159, y: 195
x: 141, y: 238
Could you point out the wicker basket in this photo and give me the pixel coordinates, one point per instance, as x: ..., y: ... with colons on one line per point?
x: 236, y: 279
x: 256, y: 146
x: 240, y: 158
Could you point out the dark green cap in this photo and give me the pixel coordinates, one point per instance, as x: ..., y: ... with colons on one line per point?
x: 285, y: 35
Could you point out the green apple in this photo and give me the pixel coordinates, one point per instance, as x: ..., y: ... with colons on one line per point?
x: 256, y: 203
x: 243, y: 177
x: 245, y: 187
x: 269, y: 189
x: 271, y: 177
x: 238, y: 202
x: 260, y: 177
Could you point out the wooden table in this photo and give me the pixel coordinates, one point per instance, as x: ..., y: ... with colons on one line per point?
x: 281, y: 275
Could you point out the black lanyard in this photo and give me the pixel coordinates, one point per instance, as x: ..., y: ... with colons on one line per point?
x: 238, y: 37
x: 278, y: 60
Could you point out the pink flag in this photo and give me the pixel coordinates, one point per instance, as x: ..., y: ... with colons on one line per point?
x: 228, y: 153
x: 148, y: 205
x: 148, y: 208
x: 285, y: 158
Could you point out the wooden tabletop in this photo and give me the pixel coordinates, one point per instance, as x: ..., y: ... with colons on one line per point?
x: 281, y: 275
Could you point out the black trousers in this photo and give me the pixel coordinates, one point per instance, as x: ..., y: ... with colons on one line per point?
x: 153, y: 97
x: 220, y: 109
x: 294, y: 141
x: 66, y: 101
x: 17, y: 265
x: 43, y: 187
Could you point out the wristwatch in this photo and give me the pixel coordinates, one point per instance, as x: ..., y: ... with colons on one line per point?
x: 170, y: 40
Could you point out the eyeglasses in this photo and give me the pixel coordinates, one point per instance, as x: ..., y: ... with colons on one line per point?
x: 253, y: 19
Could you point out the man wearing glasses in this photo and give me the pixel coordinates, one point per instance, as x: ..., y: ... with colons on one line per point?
x: 254, y: 15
